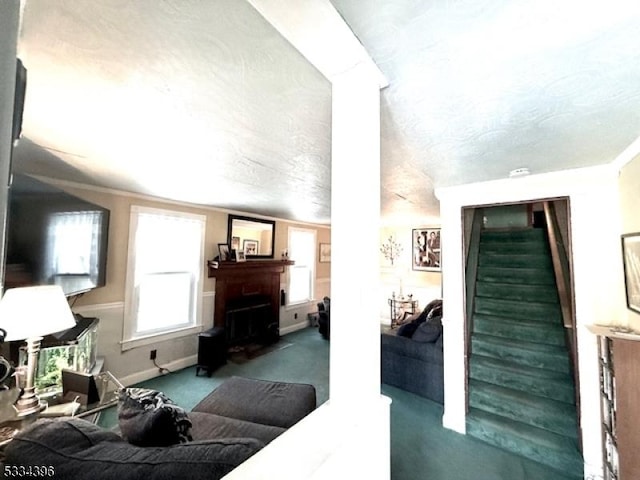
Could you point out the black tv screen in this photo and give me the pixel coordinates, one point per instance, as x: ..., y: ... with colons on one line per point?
x: 54, y: 238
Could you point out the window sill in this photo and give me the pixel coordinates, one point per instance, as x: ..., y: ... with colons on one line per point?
x: 159, y: 337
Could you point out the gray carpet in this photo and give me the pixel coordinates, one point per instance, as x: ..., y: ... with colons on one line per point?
x: 420, y: 447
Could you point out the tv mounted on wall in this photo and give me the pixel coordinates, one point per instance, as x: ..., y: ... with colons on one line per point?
x: 54, y: 237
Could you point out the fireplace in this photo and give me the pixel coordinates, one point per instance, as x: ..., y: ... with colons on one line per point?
x: 247, y: 302
x: 249, y: 319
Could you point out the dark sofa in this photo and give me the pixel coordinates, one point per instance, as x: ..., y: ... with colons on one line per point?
x: 229, y: 425
x: 411, y: 356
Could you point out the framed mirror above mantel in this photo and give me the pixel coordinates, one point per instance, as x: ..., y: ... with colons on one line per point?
x: 255, y: 236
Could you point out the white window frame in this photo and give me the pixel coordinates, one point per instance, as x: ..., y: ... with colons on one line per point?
x: 129, y: 337
x: 312, y: 267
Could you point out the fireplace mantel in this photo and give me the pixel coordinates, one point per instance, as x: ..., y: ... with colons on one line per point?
x: 249, y: 282
x: 225, y: 269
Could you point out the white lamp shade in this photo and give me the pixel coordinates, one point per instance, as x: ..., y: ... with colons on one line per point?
x: 34, y: 312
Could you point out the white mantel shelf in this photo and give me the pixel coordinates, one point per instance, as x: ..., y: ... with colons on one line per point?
x: 613, y: 331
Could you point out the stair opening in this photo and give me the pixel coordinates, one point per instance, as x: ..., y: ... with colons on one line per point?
x: 520, y: 376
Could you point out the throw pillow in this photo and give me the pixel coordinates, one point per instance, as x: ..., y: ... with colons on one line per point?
x: 435, y: 312
x: 148, y: 418
x: 409, y: 318
x: 407, y: 329
x: 427, y: 332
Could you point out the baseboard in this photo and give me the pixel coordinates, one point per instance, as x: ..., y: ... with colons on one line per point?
x: 294, y: 328
x: 155, y: 372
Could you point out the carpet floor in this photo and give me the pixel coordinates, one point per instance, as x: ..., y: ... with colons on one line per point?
x: 420, y: 447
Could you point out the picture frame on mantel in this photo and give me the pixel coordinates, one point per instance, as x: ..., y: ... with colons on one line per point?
x: 631, y: 262
x: 224, y: 251
x: 426, y: 249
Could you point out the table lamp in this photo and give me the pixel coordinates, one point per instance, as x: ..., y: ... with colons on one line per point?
x: 29, y: 313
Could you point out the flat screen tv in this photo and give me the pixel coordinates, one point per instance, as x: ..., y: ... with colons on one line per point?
x: 54, y: 238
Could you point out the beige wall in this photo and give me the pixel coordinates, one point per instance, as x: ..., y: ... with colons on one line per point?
x: 107, y: 303
x: 629, y: 181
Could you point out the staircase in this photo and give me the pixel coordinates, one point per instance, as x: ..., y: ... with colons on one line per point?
x: 521, y: 390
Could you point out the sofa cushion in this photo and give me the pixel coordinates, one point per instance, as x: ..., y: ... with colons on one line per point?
x: 427, y: 332
x: 407, y: 330
x: 279, y: 404
x: 149, y: 419
x: 210, y: 425
x: 80, y: 450
x: 406, y: 347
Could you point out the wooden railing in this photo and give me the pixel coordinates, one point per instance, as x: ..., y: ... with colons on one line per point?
x: 561, y: 269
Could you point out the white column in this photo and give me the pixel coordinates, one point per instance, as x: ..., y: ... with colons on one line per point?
x: 355, y: 230
x: 9, y: 22
x: 354, y: 395
x: 349, y: 436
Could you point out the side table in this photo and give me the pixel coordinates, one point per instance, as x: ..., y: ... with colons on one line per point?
x: 107, y: 385
x: 10, y: 423
x: 399, y: 306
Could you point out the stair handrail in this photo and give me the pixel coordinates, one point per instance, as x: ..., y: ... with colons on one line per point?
x: 562, y: 273
x: 560, y: 265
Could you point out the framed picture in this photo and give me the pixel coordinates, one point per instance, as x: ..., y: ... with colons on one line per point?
x: 225, y: 252
x: 426, y: 249
x: 250, y: 247
x: 325, y: 252
x: 235, y: 243
x: 631, y: 261
x: 240, y: 256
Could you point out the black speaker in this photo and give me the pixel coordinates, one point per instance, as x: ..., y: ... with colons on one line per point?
x: 212, y: 350
x: 18, y: 99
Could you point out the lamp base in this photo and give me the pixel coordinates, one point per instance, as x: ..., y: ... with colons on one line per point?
x: 28, y: 402
x: 28, y: 405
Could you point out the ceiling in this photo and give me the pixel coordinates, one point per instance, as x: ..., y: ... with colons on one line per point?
x: 206, y: 102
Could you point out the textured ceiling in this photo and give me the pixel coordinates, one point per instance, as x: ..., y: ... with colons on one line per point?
x: 206, y: 102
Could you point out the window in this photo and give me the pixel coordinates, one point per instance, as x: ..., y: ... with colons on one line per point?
x: 164, y: 275
x: 302, y: 250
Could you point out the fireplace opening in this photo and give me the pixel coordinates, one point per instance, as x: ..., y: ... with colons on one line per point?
x: 249, y: 319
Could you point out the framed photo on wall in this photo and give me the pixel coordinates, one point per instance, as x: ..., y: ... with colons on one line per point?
x: 426, y: 249
x: 325, y: 252
x: 631, y: 261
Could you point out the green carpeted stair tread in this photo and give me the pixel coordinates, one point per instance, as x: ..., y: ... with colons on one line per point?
x: 517, y: 275
x: 513, y: 235
x: 545, y: 383
x: 556, y: 451
x: 532, y: 331
x: 551, y: 415
x: 540, y: 260
x: 509, y: 291
x: 510, y: 248
x: 518, y: 310
x: 530, y: 354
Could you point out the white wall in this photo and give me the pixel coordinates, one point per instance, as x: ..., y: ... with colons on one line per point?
x: 629, y: 182
x: 595, y: 228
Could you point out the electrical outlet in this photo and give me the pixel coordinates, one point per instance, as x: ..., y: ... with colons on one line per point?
x: 152, y: 355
